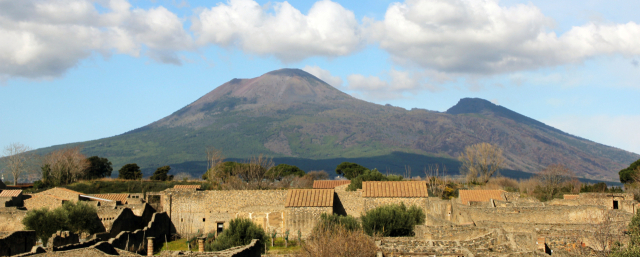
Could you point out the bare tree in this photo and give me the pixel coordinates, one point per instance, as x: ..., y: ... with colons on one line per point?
x: 214, y: 169
x: 481, y: 161
x: 436, y: 179
x: 554, y: 177
x: 64, y: 166
x: 255, y: 172
x: 17, y: 160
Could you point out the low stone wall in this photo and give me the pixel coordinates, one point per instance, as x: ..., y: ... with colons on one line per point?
x: 61, y: 238
x: 251, y: 250
x: 452, y: 232
x: 548, y: 214
x: 17, y: 242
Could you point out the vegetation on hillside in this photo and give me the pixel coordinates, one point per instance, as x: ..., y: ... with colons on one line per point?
x: 371, y: 175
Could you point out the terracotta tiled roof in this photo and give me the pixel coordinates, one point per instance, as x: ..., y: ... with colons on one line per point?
x: 467, y: 196
x: 122, y: 198
x: 394, y: 189
x: 309, y: 198
x: 10, y: 193
x: 570, y: 197
x: 186, y: 186
x: 329, y: 183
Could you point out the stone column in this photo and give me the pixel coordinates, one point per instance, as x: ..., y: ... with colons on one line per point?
x: 201, y: 244
x: 149, y: 246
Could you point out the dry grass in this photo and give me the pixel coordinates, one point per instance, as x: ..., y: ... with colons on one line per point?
x: 337, y: 241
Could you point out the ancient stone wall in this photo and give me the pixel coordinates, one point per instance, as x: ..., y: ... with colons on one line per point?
x: 62, y: 193
x: 125, y: 221
x: 198, y: 212
x: 348, y: 202
x: 17, y: 242
x: 61, y: 238
x: 251, y: 250
x: 42, y: 201
x: 11, y: 219
x: 548, y: 214
x: 159, y: 228
x: 304, y: 219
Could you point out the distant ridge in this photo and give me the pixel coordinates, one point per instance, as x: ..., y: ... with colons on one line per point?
x: 295, y: 117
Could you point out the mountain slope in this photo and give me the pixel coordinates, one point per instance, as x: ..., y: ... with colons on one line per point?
x: 290, y: 114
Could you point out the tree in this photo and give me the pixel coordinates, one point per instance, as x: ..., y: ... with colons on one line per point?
x: 77, y: 218
x: 282, y: 170
x: 98, y: 168
x: 17, y: 160
x: 627, y: 174
x: 130, y: 171
x: 240, y: 232
x: 221, y: 172
x: 254, y: 173
x: 392, y: 220
x: 350, y: 170
x: 65, y: 166
x: 371, y: 175
x: 161, y: 174
x: 555, y: 180
x: 480, y: 162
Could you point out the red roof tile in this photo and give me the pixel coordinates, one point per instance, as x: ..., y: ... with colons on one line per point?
x: 10, y: 193
x: 122, y: 198
x: 329, y: 183
x: 187, y: 186
x: 394, y: 189
x: 309, y: 198
x: 570, y: 197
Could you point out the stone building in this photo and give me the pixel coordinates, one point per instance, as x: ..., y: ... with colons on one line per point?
x: 10, y: 198
x: 303, y: 208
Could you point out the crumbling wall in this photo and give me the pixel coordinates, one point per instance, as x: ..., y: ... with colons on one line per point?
x: 17, y: 242
x: 61, y: 238
x: 348, y: 202
x: 42, y: 201
x: 304, y: 219
x: 125, y: 221
x: 159, y: 228
x: 11, y: 219
x: 548, y: 214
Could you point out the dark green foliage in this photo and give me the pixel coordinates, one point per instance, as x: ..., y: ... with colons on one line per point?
x: 240, y: 232
x: 130, y: 171
x: 348, y: 222
x: 600, y: 187
x: 76, y: 218
x: 626, y: 174
x: 392, y: 220
x: 98, y: 168
x: 282, y: 170
x: 226, y: 168
x: 371, y: 175
x: 545, y: 194
x: 350, y: 170
x: 161, y: 174
x: 82, y: 217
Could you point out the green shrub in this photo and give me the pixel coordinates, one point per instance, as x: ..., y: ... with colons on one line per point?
x: 633, y: 245
x: 348, y: 222
x: 600, y: 187
x: 392, y: 220
x: 240, y: 232
x: 76, y: 218
x: 371, y: 175
x: 350, y: 170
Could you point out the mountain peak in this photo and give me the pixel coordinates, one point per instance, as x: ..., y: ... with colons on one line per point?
x: 472, y: 105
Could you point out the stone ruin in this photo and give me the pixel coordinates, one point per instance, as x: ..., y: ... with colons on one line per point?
x: 478, y: 223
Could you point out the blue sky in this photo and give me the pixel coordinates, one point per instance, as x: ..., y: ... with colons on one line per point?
x: 77, y: 70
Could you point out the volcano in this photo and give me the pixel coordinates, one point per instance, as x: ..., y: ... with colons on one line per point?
x: 298, y: 119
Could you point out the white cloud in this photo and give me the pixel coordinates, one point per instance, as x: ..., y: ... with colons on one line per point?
x: 327, y: 30
x: 324, y: 75
x: 482, y: 37
x: 397, y: 83
x: 619, y: 131
x: 45, y: 38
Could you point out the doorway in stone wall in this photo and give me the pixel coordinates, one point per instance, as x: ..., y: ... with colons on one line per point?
x: 219, y: 228
x: 615, y: 205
